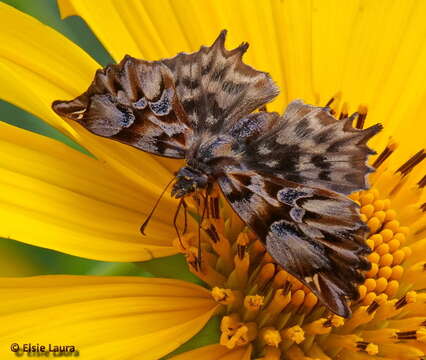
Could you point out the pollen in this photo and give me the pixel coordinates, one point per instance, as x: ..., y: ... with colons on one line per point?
x: 223, y: 296
x: 263, y: 305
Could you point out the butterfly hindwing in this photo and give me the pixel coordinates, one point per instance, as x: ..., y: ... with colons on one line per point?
x: 314, y: 234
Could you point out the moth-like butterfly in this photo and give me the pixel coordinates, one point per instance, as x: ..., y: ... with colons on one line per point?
x: 286, y: 176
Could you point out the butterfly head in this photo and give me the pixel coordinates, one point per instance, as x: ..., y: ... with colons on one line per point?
x: 188, y: 180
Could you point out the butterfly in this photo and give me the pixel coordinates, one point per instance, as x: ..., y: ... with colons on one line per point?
x: 286, y: 176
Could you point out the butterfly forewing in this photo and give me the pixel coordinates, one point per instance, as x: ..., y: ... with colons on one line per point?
x: 216, y: 88
x: 134, y: 102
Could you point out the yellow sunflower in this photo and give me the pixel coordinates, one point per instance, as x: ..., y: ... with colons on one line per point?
x: 367, y: 55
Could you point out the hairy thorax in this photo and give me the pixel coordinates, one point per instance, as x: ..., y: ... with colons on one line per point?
x: 207, y: 159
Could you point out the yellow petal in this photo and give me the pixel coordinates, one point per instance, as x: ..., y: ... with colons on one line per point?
x: 216, y: 352
x: 103, y: 317
x: 139, y: 28
x: 35, y: 73
x: 55, y: 197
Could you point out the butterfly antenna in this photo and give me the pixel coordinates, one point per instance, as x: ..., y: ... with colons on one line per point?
x: 181, y: 202
x: 145, y: 223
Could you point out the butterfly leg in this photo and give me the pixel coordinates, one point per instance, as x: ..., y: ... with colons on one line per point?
x: 175, y: 222
x: 206, y: 201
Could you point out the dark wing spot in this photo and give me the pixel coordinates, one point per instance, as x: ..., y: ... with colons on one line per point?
x: 289, y: 196
x: 324, y: 175
x: 294, y: 178
x: 163, y: 106
x: 323, y: 137
x: 320, y: 162
x: 335, y: 147
x: 232, y: 88
x: 190, y: 83
x: 219, y: 74
x: 302, y: 129
x: 207, y: 68
x: 190, y: 105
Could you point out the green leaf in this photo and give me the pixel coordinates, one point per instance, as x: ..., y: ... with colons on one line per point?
x: 208, y: 335
x: 118, y: 269
x: 73, y: 27
x: 173, y: 267
x: 20, y: 259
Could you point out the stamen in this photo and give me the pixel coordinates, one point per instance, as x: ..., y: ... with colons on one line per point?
x: 279, y: 301
x: 392, y: 308
x: 409, y: 298
x: 344, y: 112
x: 236, y: 333
x: 223, y: 296
x: 214, y: 204
x: 242, y: 242
x: 252, y: 305
x: 318, y: 327
x: 212, y: 233
x: 270, y: 336
x: 412, y: 162
x: 407, y: 335
x: 362, y: 114
x: 204, y: 271
x: 329, y: 102
x: 362, y: 315
x: 385, y: 154
x: 422, y: 183
x: 294, y: 333
x: 369, y: 348
x: 419, y: 335
x: 337, y: 321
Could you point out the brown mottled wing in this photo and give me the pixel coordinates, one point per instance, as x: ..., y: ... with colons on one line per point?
x: 316, y: 235
x: 134, y: 102
x: 216, y: 88
x: 158, y: 106
x: 310, y: 147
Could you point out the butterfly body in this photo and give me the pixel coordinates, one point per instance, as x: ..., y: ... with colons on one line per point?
x: 286, y: 176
